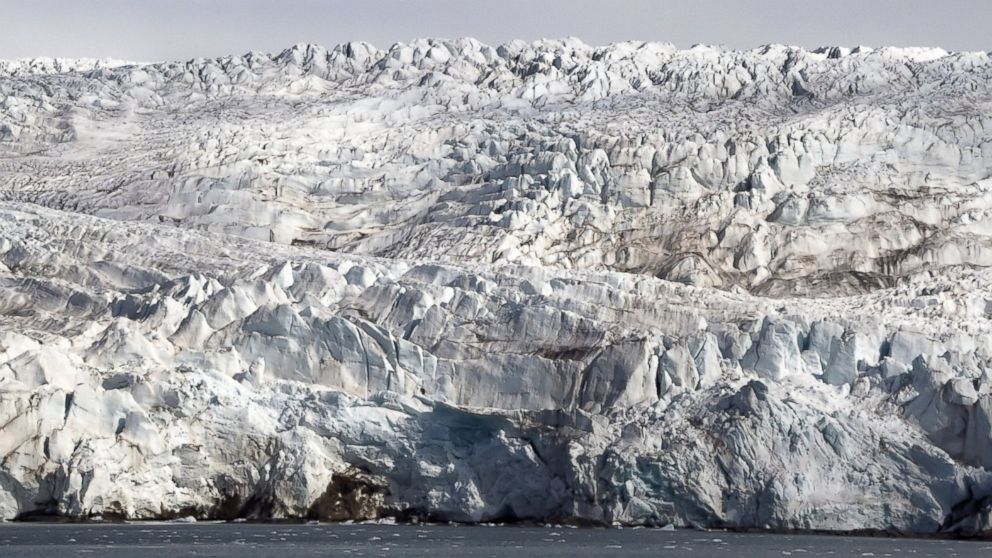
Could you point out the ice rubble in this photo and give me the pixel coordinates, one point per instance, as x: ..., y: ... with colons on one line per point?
x: 628, y: 284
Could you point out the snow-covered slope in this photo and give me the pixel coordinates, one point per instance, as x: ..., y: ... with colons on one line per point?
x: 542, y: 281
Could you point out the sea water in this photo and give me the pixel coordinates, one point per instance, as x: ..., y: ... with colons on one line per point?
x: 249, y: 540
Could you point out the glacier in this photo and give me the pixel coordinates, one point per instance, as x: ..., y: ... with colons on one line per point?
x: 550, y: 282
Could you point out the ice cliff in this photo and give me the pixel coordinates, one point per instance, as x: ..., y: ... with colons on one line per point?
x: 542, y: 281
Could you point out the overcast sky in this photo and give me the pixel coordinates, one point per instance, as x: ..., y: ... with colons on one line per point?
x: 180, y: 29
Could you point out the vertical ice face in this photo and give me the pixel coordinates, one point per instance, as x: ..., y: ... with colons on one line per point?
x: 545, y: 280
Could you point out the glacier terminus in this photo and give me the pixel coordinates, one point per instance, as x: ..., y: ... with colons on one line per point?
x: 536, y: 282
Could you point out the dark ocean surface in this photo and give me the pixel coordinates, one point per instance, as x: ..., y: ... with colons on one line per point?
x: 250, y: 540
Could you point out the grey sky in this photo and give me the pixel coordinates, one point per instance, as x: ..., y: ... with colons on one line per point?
x: 180, y: 29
